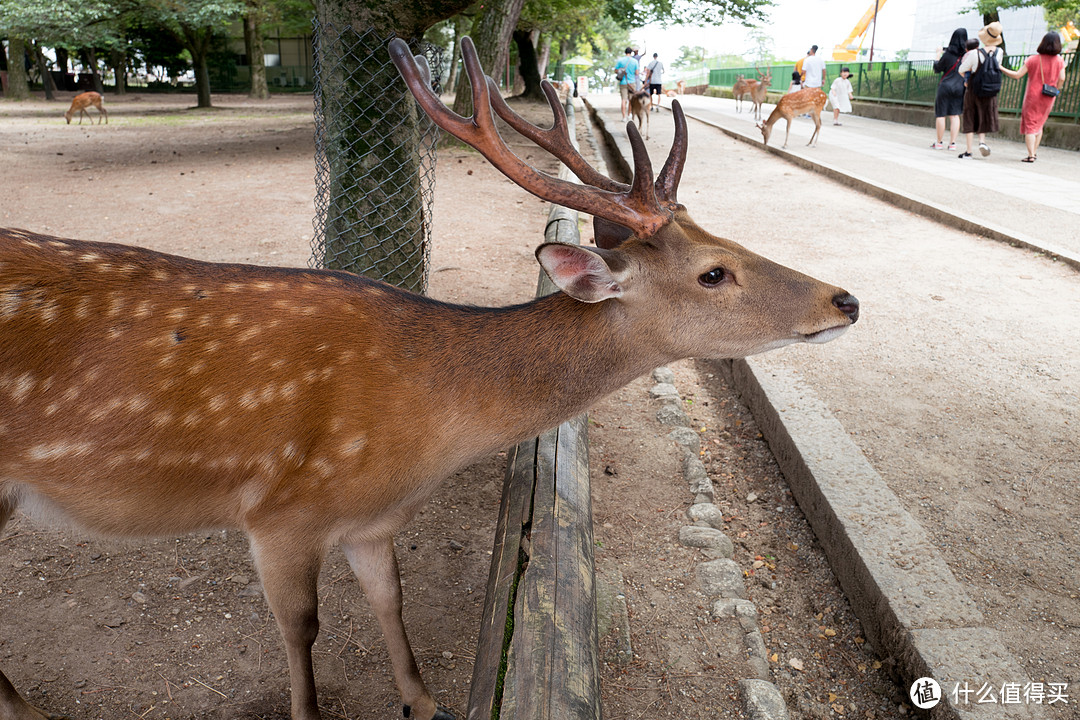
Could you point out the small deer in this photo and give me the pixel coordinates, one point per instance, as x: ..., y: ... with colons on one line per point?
x: 741, y: 89
x: 84, y: 100
x: 641, y: 107
x: 807, y: 100
x: 759, y: 92
x: 147, y: 394
x: 744, y: 87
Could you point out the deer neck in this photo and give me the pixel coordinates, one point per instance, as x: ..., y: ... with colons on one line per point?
x: 534, y: 365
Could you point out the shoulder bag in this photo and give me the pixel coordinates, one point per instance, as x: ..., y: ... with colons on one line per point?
x: 1048, y: 90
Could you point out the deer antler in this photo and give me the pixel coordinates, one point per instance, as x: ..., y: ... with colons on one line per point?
x: 556, y: 140
x: 636, y: 208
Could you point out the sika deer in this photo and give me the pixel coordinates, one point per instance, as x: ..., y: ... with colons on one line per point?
x: 82, y: 101
x: 741, y: 89
x: 148, y: 394
x: 641, y: 108
x: 759, y: 92
x: 807, y: 100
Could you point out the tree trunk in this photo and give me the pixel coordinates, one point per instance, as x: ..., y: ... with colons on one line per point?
x: 43, y: 70
x: 90, y: 59
x: 545, y: 56
x: 527, y: 65
x: 118, y: 62
x: 18, y: 87
x: 372, y: 141
x: 491, y: 34
x: 253, y: 46
x: 197, y: 42
x: 455, y: 54
x: 564, y: 50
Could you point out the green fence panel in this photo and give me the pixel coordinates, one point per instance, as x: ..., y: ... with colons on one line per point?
x: 914, y: 82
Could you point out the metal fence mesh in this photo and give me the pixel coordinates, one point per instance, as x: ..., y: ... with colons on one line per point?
x: 372, y: 200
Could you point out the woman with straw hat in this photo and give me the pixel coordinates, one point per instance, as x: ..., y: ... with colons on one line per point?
x: 980, y: 113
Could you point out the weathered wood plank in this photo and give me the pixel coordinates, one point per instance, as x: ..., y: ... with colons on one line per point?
x: 514, y: 513
x: 551, y: 660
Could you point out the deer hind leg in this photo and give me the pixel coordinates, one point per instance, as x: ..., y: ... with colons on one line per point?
x: 817, y: 129
x: 290, y: 576
x: 376, y: 567
x: 12, y: 705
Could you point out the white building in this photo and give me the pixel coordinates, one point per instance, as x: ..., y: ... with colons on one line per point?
x: 935, y: 21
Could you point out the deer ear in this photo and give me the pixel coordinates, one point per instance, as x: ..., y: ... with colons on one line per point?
x: 607, y: 234
x: 582, y: 273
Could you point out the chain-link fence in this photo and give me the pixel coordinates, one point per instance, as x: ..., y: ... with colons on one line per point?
x: 374, y: 160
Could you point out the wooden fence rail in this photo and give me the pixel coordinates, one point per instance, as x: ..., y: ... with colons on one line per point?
x: 537, y: 656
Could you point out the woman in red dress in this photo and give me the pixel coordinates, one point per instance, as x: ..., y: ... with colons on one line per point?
x: 1045, y: 67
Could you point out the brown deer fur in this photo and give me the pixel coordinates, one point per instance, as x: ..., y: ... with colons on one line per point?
x: 149, y: 394
x: 807, y: 100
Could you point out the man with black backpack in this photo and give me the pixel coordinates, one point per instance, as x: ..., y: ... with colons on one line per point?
x: 982, y: 68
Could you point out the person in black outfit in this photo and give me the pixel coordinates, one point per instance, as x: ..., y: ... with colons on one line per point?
x: 949, y: 100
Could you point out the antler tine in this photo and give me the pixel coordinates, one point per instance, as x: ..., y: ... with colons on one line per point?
x: 556, y: 139
x: 667, y: 183
x: 642, y: 191
x: 639, y: 212
x: 413, y: 73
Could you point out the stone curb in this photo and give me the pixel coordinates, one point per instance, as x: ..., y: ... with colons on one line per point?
x: 720, y: 578
x: 910, y: 605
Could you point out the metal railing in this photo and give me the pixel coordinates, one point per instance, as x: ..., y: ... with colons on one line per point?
x: 914, y: 82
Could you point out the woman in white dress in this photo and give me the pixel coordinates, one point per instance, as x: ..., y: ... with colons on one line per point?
x: 840, y: 95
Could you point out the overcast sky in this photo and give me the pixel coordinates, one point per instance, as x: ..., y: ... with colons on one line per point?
x: 795, y: 26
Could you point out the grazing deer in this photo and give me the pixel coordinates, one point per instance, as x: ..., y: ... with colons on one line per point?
x: 680, y: 87
x: 148, y: 394
x: 641, y: 107
x: 82, y: 101
x: 807, y: 100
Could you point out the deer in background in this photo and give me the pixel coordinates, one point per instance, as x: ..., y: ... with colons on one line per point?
x: 148, y: 394
x: 641, y: 108
x: 760, y: 91
x: 82, y: 101
x: 744, y: 87
x: 807, y: 100
x: 680, y: 89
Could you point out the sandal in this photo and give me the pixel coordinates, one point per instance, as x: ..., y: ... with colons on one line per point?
x: 1029, y: 159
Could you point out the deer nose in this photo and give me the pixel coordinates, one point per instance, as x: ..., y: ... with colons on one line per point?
x: 847, y: 304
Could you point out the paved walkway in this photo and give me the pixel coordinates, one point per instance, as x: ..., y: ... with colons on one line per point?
x: 1036, y: 204
x: 932, y: 450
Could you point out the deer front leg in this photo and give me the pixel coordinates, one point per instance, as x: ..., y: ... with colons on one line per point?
x: 376, y: 567
x: 12, y: 705
x: 290, y: 576
x: 787, y: 132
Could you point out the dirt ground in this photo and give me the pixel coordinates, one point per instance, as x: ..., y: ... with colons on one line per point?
x: 177, y: 628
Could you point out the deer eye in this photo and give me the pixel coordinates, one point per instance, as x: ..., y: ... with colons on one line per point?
x: 713, y: 278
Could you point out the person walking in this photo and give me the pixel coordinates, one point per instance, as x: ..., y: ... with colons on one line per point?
x: 980, y: 111
x: 626, y: 69
x: 840, y: 95
x: 654, y: 75
x: 949, y: 98
x: 1046, y: 75
x: 814, y: 68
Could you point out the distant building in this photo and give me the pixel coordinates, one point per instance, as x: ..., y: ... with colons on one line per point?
x: 935, y: 21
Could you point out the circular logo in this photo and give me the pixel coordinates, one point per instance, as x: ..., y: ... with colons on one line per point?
x: 925, y: 693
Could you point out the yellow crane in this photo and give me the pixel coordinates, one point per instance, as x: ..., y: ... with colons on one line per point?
x: 848, y: 50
